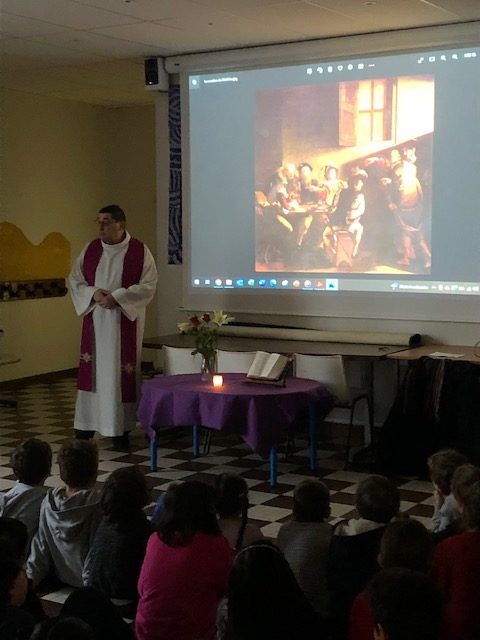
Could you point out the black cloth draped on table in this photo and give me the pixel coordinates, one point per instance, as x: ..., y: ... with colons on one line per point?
x: 437, y: 406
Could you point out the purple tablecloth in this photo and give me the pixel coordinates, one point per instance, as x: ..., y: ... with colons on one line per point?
x: 259, y: 413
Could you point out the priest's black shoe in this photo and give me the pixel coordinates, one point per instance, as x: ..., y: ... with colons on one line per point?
x: 122, y: 443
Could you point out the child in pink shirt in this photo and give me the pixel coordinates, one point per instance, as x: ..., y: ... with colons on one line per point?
x: 186, y: 568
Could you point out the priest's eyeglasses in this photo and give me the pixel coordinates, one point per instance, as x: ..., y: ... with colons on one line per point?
x: 104, y: 223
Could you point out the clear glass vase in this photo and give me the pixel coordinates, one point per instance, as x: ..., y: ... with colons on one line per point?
x: 209, y: 366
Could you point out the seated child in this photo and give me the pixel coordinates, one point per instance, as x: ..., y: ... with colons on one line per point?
x: 463, y: 480
x: 31, y: 463
x: 406, y: 544
x: 13, y: 546
x: 63, y: 629
x: 305, y: 541
x: 186, y: 567
x: 264, y: 599
x: 355, y: 546
x: 405, y: 605
x: 456, y: 562
x: 232, y: 510
x: 98, y: 612
x: 15, y: 624
x: 69, y: 517
x: 441, y: 465
x: 115, y: 558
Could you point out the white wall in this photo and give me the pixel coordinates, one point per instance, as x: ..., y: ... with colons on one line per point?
x: 60, y: 162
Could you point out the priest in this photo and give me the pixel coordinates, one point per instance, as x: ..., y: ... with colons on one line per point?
x: 111, y: 283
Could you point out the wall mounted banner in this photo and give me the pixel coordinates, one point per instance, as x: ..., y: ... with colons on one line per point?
x: 175, y: 184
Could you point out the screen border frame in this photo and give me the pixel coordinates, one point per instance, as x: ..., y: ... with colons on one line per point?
x: 328, y: 304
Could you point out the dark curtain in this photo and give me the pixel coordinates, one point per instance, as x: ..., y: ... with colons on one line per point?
x: 437, y: 406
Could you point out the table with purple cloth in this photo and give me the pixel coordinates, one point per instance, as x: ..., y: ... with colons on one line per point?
x: 258, y: 413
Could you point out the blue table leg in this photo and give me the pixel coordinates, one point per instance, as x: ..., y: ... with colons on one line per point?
x: 273, y: 466
x: 196, y: 441
x: 312, y: 429
x: 153, y: 453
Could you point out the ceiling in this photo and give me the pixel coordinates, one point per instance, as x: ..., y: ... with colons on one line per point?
x: 93, y: 50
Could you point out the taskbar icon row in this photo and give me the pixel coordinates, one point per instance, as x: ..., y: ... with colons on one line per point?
x: 305, y: 284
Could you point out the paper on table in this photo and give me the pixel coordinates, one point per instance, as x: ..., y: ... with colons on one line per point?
x: 442, y: 354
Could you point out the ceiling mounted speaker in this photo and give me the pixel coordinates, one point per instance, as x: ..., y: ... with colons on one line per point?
x: 156, y: 78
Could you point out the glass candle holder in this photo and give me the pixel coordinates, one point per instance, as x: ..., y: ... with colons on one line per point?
x: 217, y: 381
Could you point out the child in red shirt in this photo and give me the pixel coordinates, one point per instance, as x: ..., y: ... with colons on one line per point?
x: 456, y: 563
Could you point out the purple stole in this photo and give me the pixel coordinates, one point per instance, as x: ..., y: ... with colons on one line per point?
x: 132, y: 272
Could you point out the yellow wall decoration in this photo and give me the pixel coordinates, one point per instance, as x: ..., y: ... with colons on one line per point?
x: 22, y: 260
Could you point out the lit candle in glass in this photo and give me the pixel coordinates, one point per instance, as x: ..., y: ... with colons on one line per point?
x: 218, y: 381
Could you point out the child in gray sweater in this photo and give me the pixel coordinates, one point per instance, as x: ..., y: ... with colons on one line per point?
x: 69, y: 517
x: 305, y: 542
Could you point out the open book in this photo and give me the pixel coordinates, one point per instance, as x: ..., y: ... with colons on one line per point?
x: 268, y: 367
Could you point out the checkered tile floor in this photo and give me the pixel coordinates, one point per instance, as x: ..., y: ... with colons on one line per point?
x: 46, y: 411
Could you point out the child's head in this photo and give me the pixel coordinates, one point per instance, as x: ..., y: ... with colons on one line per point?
x: 189, y: 508
x: 124, y: 493
x: 96, y: 610
x: 260, y: 569
x: 471, y: 508
x: 442, y: 465
x: 264, y: 599
x: 71, y: 628
x: 13, y: 583
x: 463, y: 480
x: 406, y: 544
x: 232, y: 498
x: 13, y: 539
x: 377, y: 499
x: 78, y: 462
x: 405, y: 605
x: 311, y: 501
x: 31, y: 462
x: 63, y: 628
x: 42, y: 629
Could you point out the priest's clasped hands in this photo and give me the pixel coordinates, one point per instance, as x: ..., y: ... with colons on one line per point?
x: 104, y: 299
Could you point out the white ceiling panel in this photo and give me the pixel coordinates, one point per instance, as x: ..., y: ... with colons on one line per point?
x: 12, y: 26
x: 324, y: 19
x: 160, y: 36
x: 466, y: 9
x: 234, y: 5
x: 226, y: 28
x: 168, y: 40
x: 65, y: 12
x: 145, y: 10
x: 293, y: 10
x: 161, y: 10
x: 98, y: 44
x: 307, y: 20
x: 388, y: 12
x: 202, y: 30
